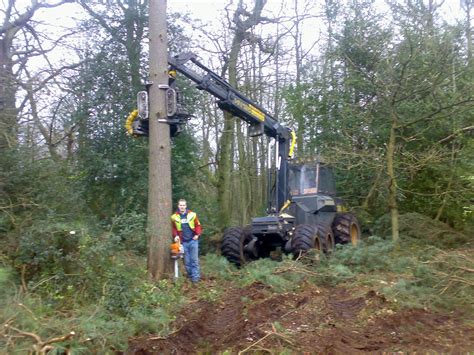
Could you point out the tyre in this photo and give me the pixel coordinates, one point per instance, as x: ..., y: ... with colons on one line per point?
x: 329, y: 241
x: 233, y: 243
x: 346, y: 229
x: 307, y: 237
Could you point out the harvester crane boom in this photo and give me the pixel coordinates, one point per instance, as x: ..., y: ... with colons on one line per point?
x: 260, y: 121
x: 229, y: 98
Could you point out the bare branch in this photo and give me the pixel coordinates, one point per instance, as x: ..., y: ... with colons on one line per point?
x: 23, y: 19
x: 112, y: 31
x: 459, y: 131
x: 26, y: 334
x: 433, y: 114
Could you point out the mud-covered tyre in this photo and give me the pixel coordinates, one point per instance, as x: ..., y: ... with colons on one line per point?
x: 233, y: 243
x: 307, y: 237
x: 329, y: 241
x: 346, y: 229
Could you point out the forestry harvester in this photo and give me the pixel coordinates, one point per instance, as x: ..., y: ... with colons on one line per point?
x: 303, y: 211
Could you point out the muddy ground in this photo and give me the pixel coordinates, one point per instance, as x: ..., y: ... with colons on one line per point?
x: 312, y: 320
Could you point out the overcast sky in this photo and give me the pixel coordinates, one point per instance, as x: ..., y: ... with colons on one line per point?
x: 210, y: 9
x: 210, y: 12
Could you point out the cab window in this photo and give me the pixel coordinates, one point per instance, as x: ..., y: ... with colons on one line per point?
x: 302, y: 180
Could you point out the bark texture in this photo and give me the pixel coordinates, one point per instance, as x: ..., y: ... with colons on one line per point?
x: 159, y: 178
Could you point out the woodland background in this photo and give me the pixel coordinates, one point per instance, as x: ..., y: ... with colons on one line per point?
x: 383, y: 93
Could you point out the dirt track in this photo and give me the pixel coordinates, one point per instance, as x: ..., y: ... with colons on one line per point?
x: 313, y: 320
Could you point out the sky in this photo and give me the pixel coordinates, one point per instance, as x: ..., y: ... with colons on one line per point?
x: 209, y: 10
x: 202, y: 9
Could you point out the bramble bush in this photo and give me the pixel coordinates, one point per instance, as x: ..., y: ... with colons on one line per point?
x: 130, y: 228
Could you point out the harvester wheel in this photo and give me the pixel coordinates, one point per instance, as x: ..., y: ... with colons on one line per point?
x: 346, y: 229
x: 329, y: 241
x: 307, y: 237
x: 233, y: 243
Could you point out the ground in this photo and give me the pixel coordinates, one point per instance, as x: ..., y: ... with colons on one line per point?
x: 309, y: 320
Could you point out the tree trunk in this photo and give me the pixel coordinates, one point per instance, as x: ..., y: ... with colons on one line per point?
x: 134, y: 30
x: 8, y: 111
x: 45, y: 132
x: 366, y: 205
x: 8, y: 125
x: 446, y: 195
x: 467, y: 4
x: 159, y: 176
x: 392, y: 189
x: 225, y: 156
x: 225, y: 146
x: 223, y: 172
x: 244, y: 174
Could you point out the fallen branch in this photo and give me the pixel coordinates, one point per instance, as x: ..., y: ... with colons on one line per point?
x: 41, y: 347
x: 59, y: 339
x: 167, y: 336
x: 28, y: 310
x: 273, y: 332
x: 25, y: 334
x: 464, y: 268
x: 254, y: 344
x: 294, y: 268
x: 23, y: 278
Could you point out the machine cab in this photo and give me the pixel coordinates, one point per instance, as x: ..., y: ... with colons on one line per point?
x: 310, y: 179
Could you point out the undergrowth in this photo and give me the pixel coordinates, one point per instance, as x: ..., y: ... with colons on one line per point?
x: 265, y: 271
x: 66, y: 278
x: 85, y: 282
x: 418, y: 229
x: 410, y: 273
x: 128, y: 307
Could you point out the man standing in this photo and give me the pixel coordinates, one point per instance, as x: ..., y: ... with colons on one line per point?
x: 187, y: 228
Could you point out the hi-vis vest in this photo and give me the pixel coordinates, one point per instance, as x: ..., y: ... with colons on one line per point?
x: 191, y: 217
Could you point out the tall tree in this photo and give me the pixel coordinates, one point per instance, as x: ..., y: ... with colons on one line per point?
x: 127, y: 29
x: 394, y: 114
x: 19, y: 43
x: 241, y: 23
x: 467, y: 7
x: 14, y: 22
x: 159, y: 175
